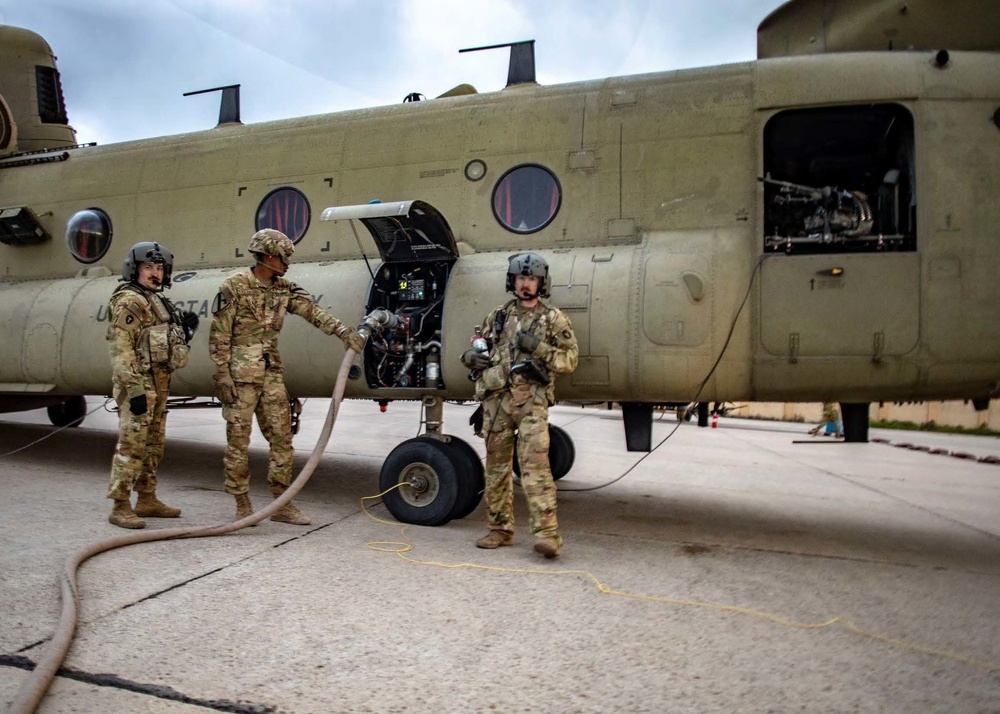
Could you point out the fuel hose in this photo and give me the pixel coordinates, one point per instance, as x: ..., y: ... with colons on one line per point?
x: 33, y: 690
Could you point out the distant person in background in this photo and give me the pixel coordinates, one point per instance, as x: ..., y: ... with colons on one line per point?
x: 148, y: 339
x: 831, y: 422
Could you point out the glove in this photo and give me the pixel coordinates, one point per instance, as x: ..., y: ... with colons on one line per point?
x: 189, y: 321
x: 475, y: 360
x: 355, y: 341
x: 138, y: 405
x: 527, y: 342
x: 225, y: 388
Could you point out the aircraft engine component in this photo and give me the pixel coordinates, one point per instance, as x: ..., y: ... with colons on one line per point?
x: 818, y: 215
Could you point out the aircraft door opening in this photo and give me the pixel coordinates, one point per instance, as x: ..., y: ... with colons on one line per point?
x: 840, y: 216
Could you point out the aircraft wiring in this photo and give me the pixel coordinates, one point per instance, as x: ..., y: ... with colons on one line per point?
x: 701, y: 387
x: 400, y: 548
x: 102, y: 405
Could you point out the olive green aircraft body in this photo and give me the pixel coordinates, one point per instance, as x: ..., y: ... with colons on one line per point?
x: 819, y: 225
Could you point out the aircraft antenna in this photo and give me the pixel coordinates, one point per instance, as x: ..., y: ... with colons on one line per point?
x: 521, y: 69
x: 229, y: 105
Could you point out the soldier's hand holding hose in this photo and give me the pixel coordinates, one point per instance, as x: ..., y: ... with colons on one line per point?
x: 225, y: 388
x: 355, y: 341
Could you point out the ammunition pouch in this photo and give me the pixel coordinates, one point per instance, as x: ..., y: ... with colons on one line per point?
x: 531, y: 371
x: 493, y: 378
x: 163, y: 345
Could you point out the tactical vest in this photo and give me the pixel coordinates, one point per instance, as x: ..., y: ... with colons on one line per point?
x: 161, y: 345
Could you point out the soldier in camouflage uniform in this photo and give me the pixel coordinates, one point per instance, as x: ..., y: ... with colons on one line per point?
x: 148, y: 339
x: 530, y: 342
x: 247, y: 317
x: 830, y: 416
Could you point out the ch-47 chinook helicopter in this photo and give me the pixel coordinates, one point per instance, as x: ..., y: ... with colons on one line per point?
x: 822, y: 224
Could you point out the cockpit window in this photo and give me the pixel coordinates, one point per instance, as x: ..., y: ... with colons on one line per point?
x: 285, y: 210
x: 526, y: 198
x: 88, y: 235
x: 840, y: 179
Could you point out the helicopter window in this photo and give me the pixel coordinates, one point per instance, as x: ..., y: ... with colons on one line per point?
x: 526, y: 198
x: 285, y: 210
x: 840, y: 179
x: 88, y: 235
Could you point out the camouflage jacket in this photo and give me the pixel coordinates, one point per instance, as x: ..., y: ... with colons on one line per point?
x: 557, y: 350
x: 247, y: 318
x: 143, y: 336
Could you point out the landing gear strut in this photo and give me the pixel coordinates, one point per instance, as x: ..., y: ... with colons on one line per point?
x: 855, y: 417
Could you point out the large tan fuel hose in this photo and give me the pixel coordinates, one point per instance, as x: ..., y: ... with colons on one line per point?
x: 30, y: 695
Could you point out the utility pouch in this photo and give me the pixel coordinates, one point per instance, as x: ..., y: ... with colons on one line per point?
x: 494, y: 378
x: 158, y: 337
x: 179, y: 357
x: 531, y: 371
x: 179, y: 349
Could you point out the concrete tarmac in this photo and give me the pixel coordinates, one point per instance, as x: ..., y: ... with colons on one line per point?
x: 683, y: 587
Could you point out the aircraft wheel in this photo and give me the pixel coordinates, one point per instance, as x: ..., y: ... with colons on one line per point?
x: 471, y: 477
x: 562, y: 453
x: 429, y: 471
x: 68, y: 413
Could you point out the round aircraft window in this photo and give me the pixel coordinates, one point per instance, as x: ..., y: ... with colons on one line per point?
x: 526, y: 198
x: 88, y: 235
x: 285, y: 210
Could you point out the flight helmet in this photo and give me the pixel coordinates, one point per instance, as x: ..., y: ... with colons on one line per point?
x: 529, y: 264
x: 271, y: 242
x: 147, y: 252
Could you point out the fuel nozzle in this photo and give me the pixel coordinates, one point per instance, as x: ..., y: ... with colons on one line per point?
x: 378, y: 320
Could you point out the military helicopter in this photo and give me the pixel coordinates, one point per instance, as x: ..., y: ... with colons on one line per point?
x: 820, y: 224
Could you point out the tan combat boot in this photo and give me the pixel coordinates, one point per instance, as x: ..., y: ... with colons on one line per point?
x: 149, y: 506
x: 123, y: 516
x: 495, y: 539
x: 243, y: 507
x: 549, y: 547
x: 288, y: 513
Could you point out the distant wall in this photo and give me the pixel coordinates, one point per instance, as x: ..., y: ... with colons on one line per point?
x: 941, y: 413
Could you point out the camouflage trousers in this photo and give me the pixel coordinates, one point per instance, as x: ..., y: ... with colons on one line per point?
x: 140, y: 439
x: 523, y: 409
x: 269, y: 401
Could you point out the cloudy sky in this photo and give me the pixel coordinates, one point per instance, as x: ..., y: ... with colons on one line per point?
x: 125, y: 63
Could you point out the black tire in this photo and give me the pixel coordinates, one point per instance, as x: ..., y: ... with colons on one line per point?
x: 68, y: 413
x: 562, y: 453
x: 474, y: 476
x: 430, y: 463
x: 471, y: 476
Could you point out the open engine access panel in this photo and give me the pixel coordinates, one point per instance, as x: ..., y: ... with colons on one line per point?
x: 418, y: 251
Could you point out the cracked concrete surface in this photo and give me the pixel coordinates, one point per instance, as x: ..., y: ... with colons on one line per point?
x: 903, y: 543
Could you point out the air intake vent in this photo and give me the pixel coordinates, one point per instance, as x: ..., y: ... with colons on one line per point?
x: 51, y: 105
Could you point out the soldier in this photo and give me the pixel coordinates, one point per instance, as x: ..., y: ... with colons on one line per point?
x: 831, y: 421
x: 148, y: 339
x: 529, y: 342
x: 247, y: 316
